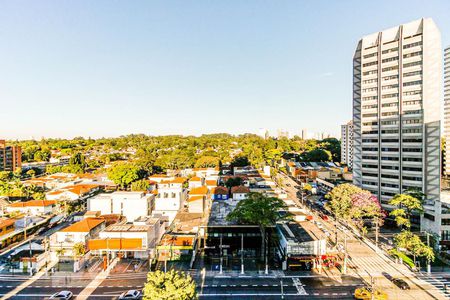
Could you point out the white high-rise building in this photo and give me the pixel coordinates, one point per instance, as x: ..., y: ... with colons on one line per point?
x: 447, y: 109
x: 396, y: 114
x: 347, y: 144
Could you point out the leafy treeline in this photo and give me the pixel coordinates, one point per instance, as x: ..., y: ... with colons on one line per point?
x: 133, y: 157
x: 176, y: 151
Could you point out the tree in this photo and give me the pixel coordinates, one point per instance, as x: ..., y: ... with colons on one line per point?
x: 340, y: 199
x: 406, y: 204
x: 172, y: 285
x: 259, y: 209
x: 207, y: 162
x: 140, y: 185
x: 332, y: 145
x: 31, y: 173
x: 233, y: 181
x: 410, y: 242
x: 307, y: 187
x: 240, y: 161
x: 78, y: 250
x: 317, y: 155
x: 123, y: 174
x: 42, y: 155
x: 5, y: 175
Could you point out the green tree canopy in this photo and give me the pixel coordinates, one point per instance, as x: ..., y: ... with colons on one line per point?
x: 332, y: 145
x: 340, y: 199
x: 207, y: 162
x: 259, y: 209
x: 406, y: 205
x: 123, y: 173
x: 140, y: 185
x: 172, y: 285
x: 317, y: 155
x: 233, y: 181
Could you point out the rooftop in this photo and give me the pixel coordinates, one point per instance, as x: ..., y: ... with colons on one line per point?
x: 202, y: 190
x: 127, y: 228
x: 33, y: 203
x: 85, y: 225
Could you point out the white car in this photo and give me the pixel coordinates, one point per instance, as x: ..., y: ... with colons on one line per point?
x: 62, y: 295
x: 131, y: 294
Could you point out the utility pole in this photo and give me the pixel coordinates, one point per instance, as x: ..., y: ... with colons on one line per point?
x: 344, y: 270
x: 266, y: 253
x: 372, y: 296
x: 428, y: 261
x: 30, y: 263
x: 376, y: 231
x: 242, y: 253
x: 282, y: 292
x: 220, y: 251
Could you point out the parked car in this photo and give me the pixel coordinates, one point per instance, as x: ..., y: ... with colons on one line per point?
x: 62, y: 295
x: 131, y: 294
x: 401, y: 283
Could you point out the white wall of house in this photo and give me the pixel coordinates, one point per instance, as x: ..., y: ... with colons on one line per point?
x: 196, y: 206
x: 33, y: 210
x: 131, y: 205
x: 239, y: 196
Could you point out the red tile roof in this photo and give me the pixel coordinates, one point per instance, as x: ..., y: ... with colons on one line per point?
x: 202, y: 190
x: 220, y: 190
x: 195, y: 198
x: 33, y: 203
x: 239, y: 189
x: 85, y: 225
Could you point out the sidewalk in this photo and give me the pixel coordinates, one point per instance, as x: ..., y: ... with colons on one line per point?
x: 30, y: 281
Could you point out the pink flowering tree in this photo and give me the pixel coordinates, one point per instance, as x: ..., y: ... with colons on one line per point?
x: 365, y: 206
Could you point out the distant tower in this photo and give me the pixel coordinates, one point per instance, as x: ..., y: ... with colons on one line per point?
x: 347, y: 144
x: 304, y: 134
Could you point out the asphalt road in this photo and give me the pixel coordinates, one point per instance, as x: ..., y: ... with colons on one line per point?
x: 223, y: 287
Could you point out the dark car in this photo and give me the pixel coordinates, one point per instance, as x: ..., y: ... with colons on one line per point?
x: 401, y: 283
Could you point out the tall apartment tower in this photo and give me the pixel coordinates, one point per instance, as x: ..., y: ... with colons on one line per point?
x: 10, y: 157
x: 396, y: 113
x: 347, y: 144
x: 447, y: 110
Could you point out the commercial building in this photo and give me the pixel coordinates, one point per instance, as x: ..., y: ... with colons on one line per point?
x: 347, y: 144
x: 81, y: 232
x: 396, y: 114
x: 10, y: 157
x: 447, y: 109
x: 131, y: 240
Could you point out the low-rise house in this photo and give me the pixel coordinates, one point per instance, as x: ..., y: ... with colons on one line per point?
x: 239, y: 192
x: 6, y: 226
x: 160, y: 177
x: 131, y: 205
x: 206, y: 172
x: 211, y: 183
x: 220, y: 193
x: 196, y: 204
x: 62, y: 242
x: 73, y: 192
x: 33, y: 207
x: 196, y: 182
x: 170, y: 198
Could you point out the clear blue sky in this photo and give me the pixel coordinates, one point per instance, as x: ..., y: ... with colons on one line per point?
x: 106, y: 68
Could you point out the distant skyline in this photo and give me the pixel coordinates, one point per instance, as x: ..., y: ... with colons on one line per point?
x: 107, y: 68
